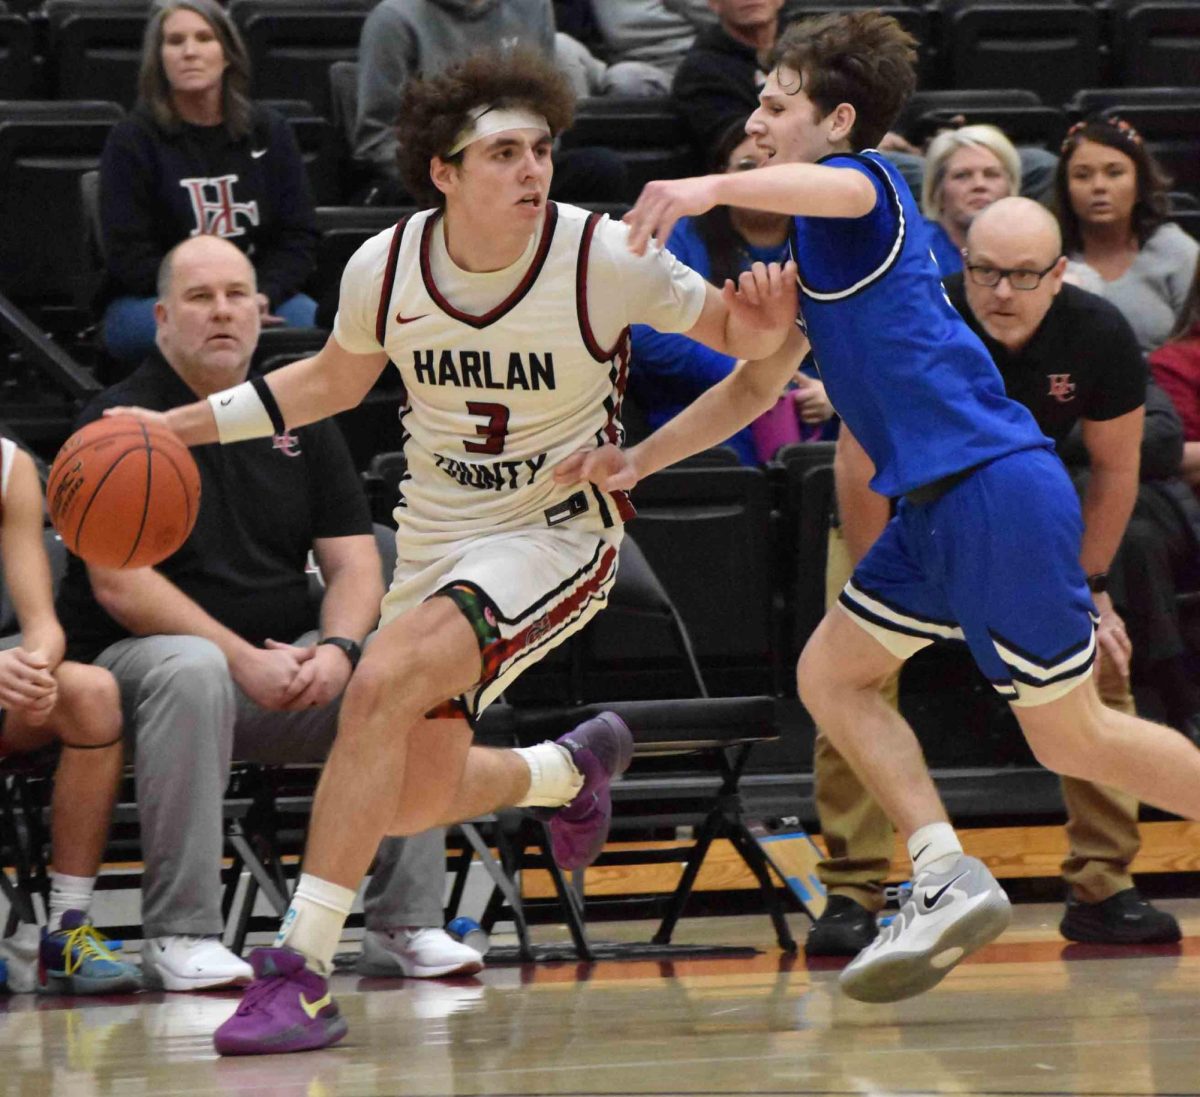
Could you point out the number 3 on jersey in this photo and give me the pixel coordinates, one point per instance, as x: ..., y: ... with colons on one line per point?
x: 493, y: 431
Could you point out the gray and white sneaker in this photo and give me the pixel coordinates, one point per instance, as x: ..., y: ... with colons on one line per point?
x: 948, y: 916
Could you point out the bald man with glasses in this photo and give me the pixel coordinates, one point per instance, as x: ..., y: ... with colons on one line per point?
x: 1071, y: 359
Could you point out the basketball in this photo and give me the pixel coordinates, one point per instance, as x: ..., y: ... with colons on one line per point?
x: 123, y: 494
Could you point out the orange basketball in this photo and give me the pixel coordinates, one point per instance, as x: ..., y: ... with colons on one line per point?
x: 123, y: 494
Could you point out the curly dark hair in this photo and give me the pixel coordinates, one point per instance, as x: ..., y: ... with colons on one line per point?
x: 435, y: 109
x: 1150, y: 207
x: 863, y: 58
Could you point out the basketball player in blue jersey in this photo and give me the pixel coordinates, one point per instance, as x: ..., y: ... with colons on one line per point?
x: 508, y: 318
x: 984, y: 547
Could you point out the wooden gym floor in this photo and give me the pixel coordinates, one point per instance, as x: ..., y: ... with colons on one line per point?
x: 1028, y: 1015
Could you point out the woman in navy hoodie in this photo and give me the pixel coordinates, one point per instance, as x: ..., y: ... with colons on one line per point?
x: 196, y: 155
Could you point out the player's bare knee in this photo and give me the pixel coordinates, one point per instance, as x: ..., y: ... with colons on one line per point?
x: 89, y: 709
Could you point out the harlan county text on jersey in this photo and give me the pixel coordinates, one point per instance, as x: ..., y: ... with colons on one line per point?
x: 476, y: 369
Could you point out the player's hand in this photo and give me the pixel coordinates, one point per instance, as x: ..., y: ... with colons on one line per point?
x: 324, y: 673
x: 662, y: 203
x: 764, y: 299
x: 1111, y: 639
x: 142, y: 415
x: 812, y: 403
x: 609, y: 467
x: 265, y: 675
x: 27, y: 684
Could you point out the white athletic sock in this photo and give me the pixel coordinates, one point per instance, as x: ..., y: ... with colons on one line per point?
x: 313, y: 923
x: 935, y: 847
x: 553, y: 778
x: 68, y: 893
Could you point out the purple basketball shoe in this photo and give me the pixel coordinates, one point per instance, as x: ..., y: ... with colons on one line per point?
x: 286, y: 1008
x: 601, y: 749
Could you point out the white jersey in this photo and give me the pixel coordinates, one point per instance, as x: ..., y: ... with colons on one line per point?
x: 8, y: 449
x: 508, y: 373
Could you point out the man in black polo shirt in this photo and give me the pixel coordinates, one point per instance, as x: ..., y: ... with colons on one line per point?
x: 202, y: 645
x: 1071, y: 358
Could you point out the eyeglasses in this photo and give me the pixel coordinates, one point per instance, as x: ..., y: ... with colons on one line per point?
x: 1019, y: 279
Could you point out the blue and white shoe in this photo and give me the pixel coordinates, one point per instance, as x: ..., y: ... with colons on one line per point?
x: 77, y: 960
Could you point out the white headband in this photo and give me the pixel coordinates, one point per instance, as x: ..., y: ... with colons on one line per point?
x: 487, y: 120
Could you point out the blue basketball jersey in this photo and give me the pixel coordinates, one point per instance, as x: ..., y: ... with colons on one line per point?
x: 912, y: 382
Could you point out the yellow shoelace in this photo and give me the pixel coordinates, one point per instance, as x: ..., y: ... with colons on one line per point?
x: 83, y: 942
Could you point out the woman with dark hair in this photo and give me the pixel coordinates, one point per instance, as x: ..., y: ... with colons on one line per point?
x: 670, y: 371
x: 197, y: 156
x: 1111, y: 198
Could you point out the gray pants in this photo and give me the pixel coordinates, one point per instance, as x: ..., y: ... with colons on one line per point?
x: 185, y: 720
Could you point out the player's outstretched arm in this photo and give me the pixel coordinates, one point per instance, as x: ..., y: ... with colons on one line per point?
x: 332, y: 380
x: 798, y: 189
x: 752, y: 319
x: 723, y: 410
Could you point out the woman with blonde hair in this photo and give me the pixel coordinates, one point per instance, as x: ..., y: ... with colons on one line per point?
x: 966, y: 170
x: 196, y: 155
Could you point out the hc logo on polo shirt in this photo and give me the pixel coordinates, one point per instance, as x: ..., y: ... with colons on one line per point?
x: 214, y: 208
x: 287, y: 443
x: 1062, y: 388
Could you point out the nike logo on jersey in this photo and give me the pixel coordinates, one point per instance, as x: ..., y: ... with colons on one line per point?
x: 930, y: 899
x: 257, y: 154
x: 313, y: 1008
x: 400, y: 319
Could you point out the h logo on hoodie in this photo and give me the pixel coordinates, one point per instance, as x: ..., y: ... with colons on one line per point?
x: 215, y: 210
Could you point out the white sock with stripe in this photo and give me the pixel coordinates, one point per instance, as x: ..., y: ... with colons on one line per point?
x: 313, y: 923
x: 934, y: 847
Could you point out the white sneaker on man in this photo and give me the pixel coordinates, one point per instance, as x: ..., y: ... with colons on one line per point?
x: 417, y: 952
x: 947, y: 916
x: 191, y: 963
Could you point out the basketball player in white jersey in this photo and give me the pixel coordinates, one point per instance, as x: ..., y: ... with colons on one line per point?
x: 44, y: 700
x: 508, y: 317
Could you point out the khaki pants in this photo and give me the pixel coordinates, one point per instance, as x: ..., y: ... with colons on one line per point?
x: 1101, y: 822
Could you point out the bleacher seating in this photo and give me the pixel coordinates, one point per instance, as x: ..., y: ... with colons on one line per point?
x: 292, y: 45
x: 1049, y: 48
x: 16, y: 56
x: 1157, y: 42
x: 94, y: 49
x: 44, y: 148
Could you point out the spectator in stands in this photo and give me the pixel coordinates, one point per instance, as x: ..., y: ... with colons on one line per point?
x: 196, y: 643
x: 46, y: 701
x: 402, y: 38
x: 1176, y: 367
x: 718, y: 80
x: 652, y: 35
x: 966, y: 170
x: 1112, y: 204
x: 1069, y: 357
x: 197, y: 156
x: 670, y: 371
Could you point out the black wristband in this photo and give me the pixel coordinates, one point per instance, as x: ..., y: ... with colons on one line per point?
x: 351, y: 649
x: 268, y: 400
x: 1098, y: 583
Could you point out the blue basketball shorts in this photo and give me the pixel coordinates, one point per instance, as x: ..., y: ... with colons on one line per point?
x: 994, y: 563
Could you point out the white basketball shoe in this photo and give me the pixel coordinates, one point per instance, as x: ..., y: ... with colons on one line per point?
x: 947, y: 916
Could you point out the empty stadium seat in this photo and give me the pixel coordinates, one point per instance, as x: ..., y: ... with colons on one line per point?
x: 1023, y: 125
x: 44, y: 148
x: 1157, y: 42
x: 647, y: 134
x: 292, y: 45
x: 16, y: 56
x: 318, y: 147
x: 94, y: 50
x: 1051, y: 49
x: 706, y: 532
x: 1088, y: 101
